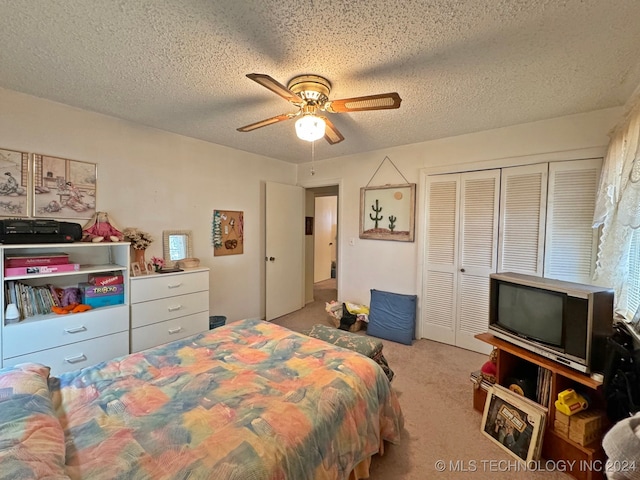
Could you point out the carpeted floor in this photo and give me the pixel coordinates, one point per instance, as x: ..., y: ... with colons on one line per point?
x: 432, y: 382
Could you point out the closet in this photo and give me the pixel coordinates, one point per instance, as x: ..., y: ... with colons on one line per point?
x: 533, y: 219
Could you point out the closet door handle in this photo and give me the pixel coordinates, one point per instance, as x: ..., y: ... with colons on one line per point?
x: 462, y: 270
x: 174, y: 285
x: 173, y: 309
x: 175, y: 330
x: 76, y: 359
x: 79, y: 329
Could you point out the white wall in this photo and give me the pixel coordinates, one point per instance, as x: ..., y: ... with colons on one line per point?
x: 395, y: 266
x: 155, y: 181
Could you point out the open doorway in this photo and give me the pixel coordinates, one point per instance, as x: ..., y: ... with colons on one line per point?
x: 321, y: 252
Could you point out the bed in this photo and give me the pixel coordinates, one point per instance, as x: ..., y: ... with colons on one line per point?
x: 247, y: 401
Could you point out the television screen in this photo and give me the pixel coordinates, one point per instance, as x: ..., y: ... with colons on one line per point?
x: 531, y: 312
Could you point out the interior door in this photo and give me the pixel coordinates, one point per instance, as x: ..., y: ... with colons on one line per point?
x: 461, y: 252
x: 324, y: 236
x: 478, y: 247
x: 441, y: 255
x: 571, y: 242
x: 523, y: 209
x: 284, y: 249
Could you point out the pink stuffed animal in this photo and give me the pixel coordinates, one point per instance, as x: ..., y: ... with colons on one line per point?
x: 101, y: 229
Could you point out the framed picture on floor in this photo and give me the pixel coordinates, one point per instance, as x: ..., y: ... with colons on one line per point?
x: 514, y: 423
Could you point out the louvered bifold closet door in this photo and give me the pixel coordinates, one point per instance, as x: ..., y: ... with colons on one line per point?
x: 523, y: 207
x: 441, y: 258
x: 570, y: 241
x: 478, y: 244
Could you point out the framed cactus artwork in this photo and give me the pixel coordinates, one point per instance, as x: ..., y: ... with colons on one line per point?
x: 388, y: 212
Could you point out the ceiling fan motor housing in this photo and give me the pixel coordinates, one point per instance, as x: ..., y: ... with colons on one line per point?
x: 312, y: 88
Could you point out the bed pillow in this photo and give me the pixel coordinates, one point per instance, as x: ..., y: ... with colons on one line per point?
x: 392, y: 316
x: 32, y: 443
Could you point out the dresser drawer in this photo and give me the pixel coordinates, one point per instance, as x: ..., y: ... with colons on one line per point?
x: 35, y: 335
x: 155, y: 311
x: 168, y: 285
x: 77, y: 355
x: 168, y: 331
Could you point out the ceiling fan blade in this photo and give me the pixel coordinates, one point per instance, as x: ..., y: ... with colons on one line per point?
x: 382, y: 101
x: 268, y: 121
x: 331, y: 133
x: 275, y: 86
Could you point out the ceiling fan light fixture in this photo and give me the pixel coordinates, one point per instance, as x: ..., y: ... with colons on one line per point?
x: 310, y: 128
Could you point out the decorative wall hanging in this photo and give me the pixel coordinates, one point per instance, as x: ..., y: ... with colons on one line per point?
x: 14, y: 188
x: 387, y: 212
x: 63, y: 188
x: 228, y: 232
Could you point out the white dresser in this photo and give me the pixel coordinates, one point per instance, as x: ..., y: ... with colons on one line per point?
x: 73, y: 341
x: 168, y: 306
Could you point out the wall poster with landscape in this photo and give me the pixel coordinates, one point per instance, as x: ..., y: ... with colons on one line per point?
x: 387, y: 212
x: 63, y: 188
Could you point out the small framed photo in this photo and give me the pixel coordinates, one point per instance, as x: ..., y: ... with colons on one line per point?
x: 515, y: 423
x: 136, y: 271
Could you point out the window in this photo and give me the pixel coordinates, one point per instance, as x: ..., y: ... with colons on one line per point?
x: 633, y: 284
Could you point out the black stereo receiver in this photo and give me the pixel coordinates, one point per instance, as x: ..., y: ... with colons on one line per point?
x: 39, y: 231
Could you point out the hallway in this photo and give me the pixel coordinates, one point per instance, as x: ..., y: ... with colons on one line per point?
x: 313, y: 312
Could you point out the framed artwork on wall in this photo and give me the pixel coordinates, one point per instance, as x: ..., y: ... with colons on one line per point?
x: 228, y: 232
x: 14, y: 183
x: 63, y: 188
x: 387, y: 212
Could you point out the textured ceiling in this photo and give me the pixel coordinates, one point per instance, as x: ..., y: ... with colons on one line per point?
x: 459, y: 66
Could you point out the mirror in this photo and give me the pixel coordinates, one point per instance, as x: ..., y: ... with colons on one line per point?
x: 177, y: 245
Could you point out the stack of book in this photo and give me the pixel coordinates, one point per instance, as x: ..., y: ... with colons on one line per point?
x: 476, y: 377
x: 20, y: 264
x: 31, y: 300
x: 543, y: 391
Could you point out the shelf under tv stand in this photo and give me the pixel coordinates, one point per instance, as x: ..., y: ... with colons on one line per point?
x: 555, y: 446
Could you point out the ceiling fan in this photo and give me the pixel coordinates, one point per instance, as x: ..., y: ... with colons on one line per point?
x: 310, y: 94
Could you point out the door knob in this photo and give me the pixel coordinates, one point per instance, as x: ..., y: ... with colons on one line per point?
x: 271, y: 259
x: 462, y: 270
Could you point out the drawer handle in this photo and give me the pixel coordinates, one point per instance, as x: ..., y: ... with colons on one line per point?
x: 78, y: 358
x: 79, y: 329
x: 175, y: 330
x: 174, y: 285
x: 173, y: 309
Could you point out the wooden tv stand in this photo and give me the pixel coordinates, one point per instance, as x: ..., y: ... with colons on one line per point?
x: 554, y: 447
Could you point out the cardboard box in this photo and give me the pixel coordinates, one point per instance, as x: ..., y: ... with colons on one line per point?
x: 561, y: 429
x: 15, y: 271
x: 104, y: 300
x: 586, y: 427
x: 22, y: 260
x: 102, y: 279
x: 88, y: 290
x: 562, y: 418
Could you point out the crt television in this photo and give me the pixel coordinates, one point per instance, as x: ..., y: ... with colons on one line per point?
x: 564, y: 321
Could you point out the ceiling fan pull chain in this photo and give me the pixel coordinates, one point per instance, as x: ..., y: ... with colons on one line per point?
x: 394, y: 166
x: 313, y: 157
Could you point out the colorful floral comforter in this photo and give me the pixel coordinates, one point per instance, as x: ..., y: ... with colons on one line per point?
x: 247, y: 401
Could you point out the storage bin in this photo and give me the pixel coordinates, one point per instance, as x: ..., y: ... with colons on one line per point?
x: 216, y: 321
